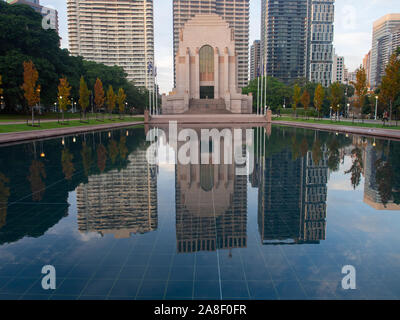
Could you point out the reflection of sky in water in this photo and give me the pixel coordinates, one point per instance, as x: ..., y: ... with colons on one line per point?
x: 93, y: 263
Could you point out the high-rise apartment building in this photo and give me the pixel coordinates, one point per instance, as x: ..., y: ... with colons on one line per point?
x: 255, y: 59
x: 119, y: 32
x: 235, y: 12
x: 383, y: 34
x: 320, y: 38
x: 338, y: 69
x: 296, y: 39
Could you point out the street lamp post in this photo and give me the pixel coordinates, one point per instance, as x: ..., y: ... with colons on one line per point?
x: 348, y: 110
x: 376, y: 107
x: 330, y: 116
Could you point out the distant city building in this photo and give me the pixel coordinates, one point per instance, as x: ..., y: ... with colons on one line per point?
x: 384, y: 35
x: 338, y: 74
x: 367, y: 67
x: 49, y: 13
x: 320, y: 41
x: 118, y: 32
x: 296, y: 39
x: 255, y: 62
x: 206, y: 69
x: 120, y: 202
x: 235, y: 12
x: 351, y: 77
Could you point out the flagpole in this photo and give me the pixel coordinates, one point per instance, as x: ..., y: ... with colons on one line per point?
x: 262, y: 88
x: 266, y: 79
x: 258, y: 88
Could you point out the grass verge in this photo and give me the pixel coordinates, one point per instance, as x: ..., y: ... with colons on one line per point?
x: 357, y: 123
x: 55, y: 125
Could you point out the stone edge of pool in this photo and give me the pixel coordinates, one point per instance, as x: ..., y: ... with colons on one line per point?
x: 365, y: 131
x: 24, y: 136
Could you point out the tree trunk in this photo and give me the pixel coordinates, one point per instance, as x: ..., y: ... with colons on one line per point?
x: 33, y: 117
x: 390, y: 114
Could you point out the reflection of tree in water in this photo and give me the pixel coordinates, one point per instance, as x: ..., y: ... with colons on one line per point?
x: 317, y: 152
x: 356, y: 168
x: 123, y: 150
x: 101, y: 157
x: 304, y: 147
x: 113, y: 150
x: 37, y: 173
x: 333, y: 155
x: 295, y: 148
x: 67, y: 164
x: 86, y: 154
x: 384, y: 180
x: 4, y: 194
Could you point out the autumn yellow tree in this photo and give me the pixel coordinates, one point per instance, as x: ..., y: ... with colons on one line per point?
x: 390, y: 86
x: 111, y: 100
x: 296, y: 97
x: 360, y: 88
x: 98, y: 95
x: 67, y: 164
x: 336, y: 95
x: 101, y: 157
x: 121, y: 100
x: 30, y: 86
x: 305, y: 101
x: 37, y: 174
x: 319, y: 98
x: 64, y: 92
x: 84, y: 95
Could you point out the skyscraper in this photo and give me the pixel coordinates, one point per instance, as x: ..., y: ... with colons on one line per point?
x: 320, y: 38
x: 383, y: 34
x: 296, y: 39
x: 235, y: 12
x: 119, y: 32
x: 254, y: 59
x: 367, y: 67
x: 338, y: 69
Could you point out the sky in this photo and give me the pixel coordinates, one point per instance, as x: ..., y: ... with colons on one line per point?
x: 353, y: 30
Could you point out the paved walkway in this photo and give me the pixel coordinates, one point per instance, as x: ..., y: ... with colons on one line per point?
x: 376, y: 132
x: 209, y: 118
x: 13, y: 137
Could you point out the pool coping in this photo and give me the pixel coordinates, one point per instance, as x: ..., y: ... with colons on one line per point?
x: 24, y: 136
x: 373, y: 132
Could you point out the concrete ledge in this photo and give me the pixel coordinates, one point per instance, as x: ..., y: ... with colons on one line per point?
x: 209, y: 119
x: 17, y: 137
x: 373, y: 132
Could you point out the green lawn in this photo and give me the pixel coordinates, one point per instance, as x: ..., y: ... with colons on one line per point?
x: 55, y: 125
x: 23, y: 117
x: 357, y: 123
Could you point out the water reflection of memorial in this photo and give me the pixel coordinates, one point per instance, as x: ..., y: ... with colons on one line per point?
x: 211, y: 205
x: 120, y: 202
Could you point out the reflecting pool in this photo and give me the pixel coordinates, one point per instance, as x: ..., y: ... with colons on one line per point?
x: 115, y: 226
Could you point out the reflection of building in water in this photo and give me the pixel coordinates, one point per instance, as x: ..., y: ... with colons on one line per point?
x: 292, y: 199
x: 120, y: 202
x: 211, y: 207
x: 371, y: 188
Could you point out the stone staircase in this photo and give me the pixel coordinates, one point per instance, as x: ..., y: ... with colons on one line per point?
x: 207, y: 106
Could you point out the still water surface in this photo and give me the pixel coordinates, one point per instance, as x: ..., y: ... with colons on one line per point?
x: 116, y: 227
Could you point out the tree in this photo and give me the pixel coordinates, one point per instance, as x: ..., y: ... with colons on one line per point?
x: 296, y: 97
x: 4, y: 195
x: 86, y: 155
x: 84, y: 95
x: 113, y: 150
x: 384, y: 180
x: 361, y: 88
x: 356, y: 168
x: 390, y: 86
x: 64, y: 92
x: 31, y: 89
x: 111, y: 100
x: 336, y: 96
x: 319, y: 98
x: 98, y: 95
x: 67, y: 164
x: 1, y: 83
x: 101, y: 157
x: 37, y: 173
x: 121, y: 100
x: 305, y: 100
x: 317, y: 152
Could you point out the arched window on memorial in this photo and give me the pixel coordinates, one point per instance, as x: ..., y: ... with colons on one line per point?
x: 206, y: 63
